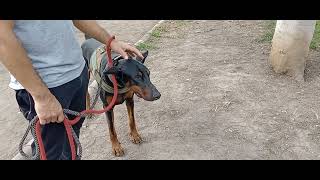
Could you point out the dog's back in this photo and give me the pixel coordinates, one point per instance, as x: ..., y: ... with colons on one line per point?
x: 88, y: 47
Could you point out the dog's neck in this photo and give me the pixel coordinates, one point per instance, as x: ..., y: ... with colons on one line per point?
x: 121, y: 78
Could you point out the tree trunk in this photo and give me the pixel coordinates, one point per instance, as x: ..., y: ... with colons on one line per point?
x: 290, y: 46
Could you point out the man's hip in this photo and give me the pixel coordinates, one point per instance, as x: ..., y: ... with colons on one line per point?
x: 71, y: 95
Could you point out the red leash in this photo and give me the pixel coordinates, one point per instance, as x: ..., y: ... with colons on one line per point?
x: 69, y: 123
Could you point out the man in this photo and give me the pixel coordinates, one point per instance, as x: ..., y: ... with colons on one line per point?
x: 49, y: 73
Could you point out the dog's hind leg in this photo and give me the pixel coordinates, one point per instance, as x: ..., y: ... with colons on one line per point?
x: 88, y: 103
x: 88, y: 48
x: 116, y: 147
x: 134, y: 135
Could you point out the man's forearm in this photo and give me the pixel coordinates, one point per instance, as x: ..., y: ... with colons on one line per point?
x: 93, y: 29
x: 15, y: 59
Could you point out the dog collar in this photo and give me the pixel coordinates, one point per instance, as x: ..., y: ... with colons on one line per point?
x: 95, y: 66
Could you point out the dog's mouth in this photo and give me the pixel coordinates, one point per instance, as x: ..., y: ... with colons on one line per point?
x: 139, y: 95
x: 144, y: 97
x: 147, y: 94
x: 147, y: 98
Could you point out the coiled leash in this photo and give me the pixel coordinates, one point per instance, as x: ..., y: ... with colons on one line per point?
x: 75, y: 145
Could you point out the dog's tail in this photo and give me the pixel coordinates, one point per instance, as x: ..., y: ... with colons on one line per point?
x: 88, y: 47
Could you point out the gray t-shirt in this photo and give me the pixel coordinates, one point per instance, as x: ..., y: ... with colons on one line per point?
x: 53, y: 48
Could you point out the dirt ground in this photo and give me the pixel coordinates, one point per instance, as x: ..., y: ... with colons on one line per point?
x: 11, y: 121
x: 220, y: 100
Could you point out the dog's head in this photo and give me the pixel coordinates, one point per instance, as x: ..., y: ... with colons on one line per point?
x: 136, y: 76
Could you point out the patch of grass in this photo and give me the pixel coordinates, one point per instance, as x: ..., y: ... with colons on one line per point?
x: 145, y: 46
x: 154, y: 36
x: 271, y: 25
x: 315, y: 43
x: 268, y: 35
x: 163, y: 28
x: 156, y: 33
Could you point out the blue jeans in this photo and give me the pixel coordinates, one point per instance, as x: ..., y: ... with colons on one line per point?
x: 71, y: 95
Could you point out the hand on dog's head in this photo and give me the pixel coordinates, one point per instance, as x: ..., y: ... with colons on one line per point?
x: 135, y: 76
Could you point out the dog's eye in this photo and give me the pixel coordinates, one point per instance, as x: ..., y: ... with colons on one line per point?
x: 139, y: 75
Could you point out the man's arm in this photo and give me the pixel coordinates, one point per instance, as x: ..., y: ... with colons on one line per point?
x: 14, y: 57
x: 93, y: 29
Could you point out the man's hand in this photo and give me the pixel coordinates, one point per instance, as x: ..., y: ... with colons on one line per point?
x: 93, y: 29
x: 125, y: 49
x: 48, y: 109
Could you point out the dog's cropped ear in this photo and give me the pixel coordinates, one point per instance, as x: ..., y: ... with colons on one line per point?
x: 113, y: 70
x: 145, y: 55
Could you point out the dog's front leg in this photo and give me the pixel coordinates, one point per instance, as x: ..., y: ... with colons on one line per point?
x: 88, y: 98
x: 116, y: 147
x: 87, y: 101
x: 134, y: 135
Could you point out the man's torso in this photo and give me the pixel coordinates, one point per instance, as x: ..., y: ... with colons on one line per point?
x: 53, y: 49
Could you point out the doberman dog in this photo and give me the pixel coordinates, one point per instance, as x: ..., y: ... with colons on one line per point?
x: 132, y: 76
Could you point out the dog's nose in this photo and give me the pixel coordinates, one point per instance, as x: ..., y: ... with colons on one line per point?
x: 156, y: 95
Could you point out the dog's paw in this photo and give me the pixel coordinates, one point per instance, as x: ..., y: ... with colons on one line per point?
x: 117, y: 150
x: 135, y: 138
